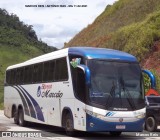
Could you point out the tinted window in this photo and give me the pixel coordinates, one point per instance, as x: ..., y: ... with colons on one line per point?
x: 8, y: 77
x: 13, y: 76
x: 28, y: 74
x: 116, y: 84
x: 35, y: 72
x: 79, y: 83
x: 61, y: 72
x: 51, y: 70
x: 78, y: 79
x: 39, y: 72
x: 45, y: 71
x: 19, y: 76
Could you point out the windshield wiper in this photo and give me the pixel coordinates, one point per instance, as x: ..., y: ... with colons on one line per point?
x: 129, y: 97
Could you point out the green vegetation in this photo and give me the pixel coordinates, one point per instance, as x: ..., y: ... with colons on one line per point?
x: 128, y: 25
x: 18, y: 42
x: 157, y: 80
x: 15, y: 33
x: 147, y: 82
x: 137, y: 38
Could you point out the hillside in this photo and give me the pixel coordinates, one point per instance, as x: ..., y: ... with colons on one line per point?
x: 18, y: 42
x: 128, y: 25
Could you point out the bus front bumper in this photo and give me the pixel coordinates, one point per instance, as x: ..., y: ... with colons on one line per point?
x: 97, y: 125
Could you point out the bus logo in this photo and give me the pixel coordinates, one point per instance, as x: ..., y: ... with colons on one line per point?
x: 109, y: 114
x: 120, y: 119
x: 44, y: 91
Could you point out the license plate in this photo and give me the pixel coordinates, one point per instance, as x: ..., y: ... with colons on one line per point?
x: 120, y: 127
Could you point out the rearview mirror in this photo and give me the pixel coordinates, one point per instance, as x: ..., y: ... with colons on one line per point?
x: 152, y: 78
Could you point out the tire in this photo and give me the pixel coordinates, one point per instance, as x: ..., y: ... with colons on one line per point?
x: 69, y: 126
x: 21, y: 120
x: 115, y: 133
x: 151, y: 124
x: 15, y: 117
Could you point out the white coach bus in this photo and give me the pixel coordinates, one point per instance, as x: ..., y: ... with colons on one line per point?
x: 79, y: 88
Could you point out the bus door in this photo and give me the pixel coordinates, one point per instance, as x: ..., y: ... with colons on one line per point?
x: 80, y: 93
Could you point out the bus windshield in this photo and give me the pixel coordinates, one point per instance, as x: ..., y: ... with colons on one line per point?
x: 116, y: 85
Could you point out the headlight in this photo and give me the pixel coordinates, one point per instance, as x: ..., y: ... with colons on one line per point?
x: 95, y: 114
x: 139, y: 115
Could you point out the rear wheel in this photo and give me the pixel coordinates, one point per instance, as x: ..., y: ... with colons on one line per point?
x: 15, y: 116
x: 21, y: 120
x: 151, y: 124
x: 69, y: 126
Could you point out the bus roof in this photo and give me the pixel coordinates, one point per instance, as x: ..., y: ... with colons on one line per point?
x: 102, y: 53
x: 87, y: 52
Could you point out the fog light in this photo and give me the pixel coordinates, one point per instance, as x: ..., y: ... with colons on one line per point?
x: 91, y: 124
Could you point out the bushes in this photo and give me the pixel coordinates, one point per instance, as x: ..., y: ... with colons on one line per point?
x: 137, y: 38
x: 122, y: 13
x: 157, y: 80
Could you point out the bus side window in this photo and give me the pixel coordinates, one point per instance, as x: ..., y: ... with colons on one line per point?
x: 80, y: 84
x: 39, y: 72
x: 28, y: 70
x: 8, y: 77
x: 78, y: 78
x: 35, y: 73
x: 45, y: 71
x: 21, y: 78
x: 61, y: 72
x: 13, y: 76
x: 17, y: 76
x: 51, y: 71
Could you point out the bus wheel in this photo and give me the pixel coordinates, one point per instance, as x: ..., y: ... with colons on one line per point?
x: 21, y: 120
x: 69, y: 128
x: 15, y: 116
x: 151, y: 124
x: 114, y: 133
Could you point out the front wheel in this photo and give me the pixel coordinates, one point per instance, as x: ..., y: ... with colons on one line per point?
x: 151, y: 124
x: 69, y: 126
x: 115, y: 134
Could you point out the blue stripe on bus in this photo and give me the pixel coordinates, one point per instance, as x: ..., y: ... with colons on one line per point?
x: 31, y: 108
x: 26, y: 108
x: 36, y: 106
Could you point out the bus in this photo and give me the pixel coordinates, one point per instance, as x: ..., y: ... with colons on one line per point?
x: 78, y: 88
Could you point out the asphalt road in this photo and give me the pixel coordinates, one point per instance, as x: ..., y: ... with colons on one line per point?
x: 45, y: 132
